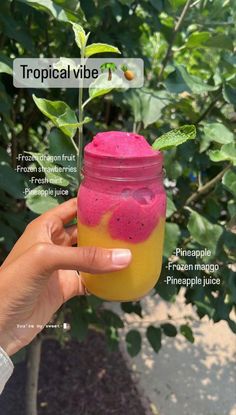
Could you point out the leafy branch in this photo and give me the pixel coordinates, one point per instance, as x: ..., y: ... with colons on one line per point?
x: 176, y: 30
x: 175, y: 137
x: 210, y: 107
x: 64, y: 117
x: 81, y: 39
x: 207, y: 187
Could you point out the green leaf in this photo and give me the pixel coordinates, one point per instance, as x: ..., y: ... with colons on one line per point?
x: 64, y: 122
x: 95, y: 48
x: 49, y: 169
x: 222, y: 308
x: 55, y: 10
x: 8, y: 236
x: 197, y: 39
x: 94, y: 301
x: 126, y: 2
x: 229, y: 181
x: 204, y: 232
x: 39, y: 203
x: 220, y: 41
x: 229, y: 94
x: 112, y: 338
x: 94, y: 93
x: 169, y: 330
x: 111, y: 319
x: 232, y: 325
x: 4, y: 156
x: 80, y: 35
x: 79, y: 325
x: 204, y: 308
x: 227, y: 152
x: 11, y: 182
x: 101, y: 87
x: 217, y: 132
x: 147, y: 105
x: 196, y: 84
x: 171, y: 208
x: 231, y: 206
x: 229, y: 241
x: 175, y: 137
x: 154, y: 337
x: 5, y: 64
x: 15, y: 29
x: 60, y: 114
x: 212, y: 208
x: 5, y: 200
x: 175, y: 4
x: 132, y: 307
x: 172, y: 235
x: 60, y: 144
x: 6, y: 103
x: 16, y: 222
x: 152, y: 106
x: 174, y: 168
x: 166, y: 291
x: 209, y: 40
x: 157, y: 4
x: 63, y: 63
x: 186, y: 331
x: 133, y: 341
x: 175, y: 83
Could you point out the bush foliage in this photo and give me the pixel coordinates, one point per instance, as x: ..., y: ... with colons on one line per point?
x: 188, y: 49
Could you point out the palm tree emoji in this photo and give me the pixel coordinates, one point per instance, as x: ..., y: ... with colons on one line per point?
x: 110, y: 67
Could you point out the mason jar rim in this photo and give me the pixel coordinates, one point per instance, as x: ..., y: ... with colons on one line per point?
x: 138, y: 168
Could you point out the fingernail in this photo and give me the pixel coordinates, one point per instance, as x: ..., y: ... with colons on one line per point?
x: 121, y: 257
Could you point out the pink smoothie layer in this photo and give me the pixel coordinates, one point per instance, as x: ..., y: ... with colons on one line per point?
x: 133, y: 207
x: 120, y: 144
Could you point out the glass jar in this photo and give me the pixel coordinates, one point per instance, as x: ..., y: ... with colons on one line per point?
x: 122, y: 204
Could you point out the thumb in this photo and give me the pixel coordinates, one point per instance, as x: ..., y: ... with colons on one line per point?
x: 94, y: 260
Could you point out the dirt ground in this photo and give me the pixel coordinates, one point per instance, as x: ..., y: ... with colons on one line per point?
x: 81, y: 379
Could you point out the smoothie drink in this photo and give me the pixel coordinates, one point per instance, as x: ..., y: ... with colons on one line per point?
x: 122, y: 204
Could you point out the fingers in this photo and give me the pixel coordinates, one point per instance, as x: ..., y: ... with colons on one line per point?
x: 66, y: 211
x: 70, y: 284
x: 36, y: 266
x: 72, y: 232
x: 93, y: 260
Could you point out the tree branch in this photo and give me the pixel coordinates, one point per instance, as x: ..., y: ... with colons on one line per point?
x: 176, y: 29
x: 33, y: 365
x: 209, y: 108
x: 207, y: 187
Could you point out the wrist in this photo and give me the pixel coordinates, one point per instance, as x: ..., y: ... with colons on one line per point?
x: 9, y: 344
x: 4, y: 344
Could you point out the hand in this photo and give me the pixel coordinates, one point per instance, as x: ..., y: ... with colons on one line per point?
x: 40, y: 274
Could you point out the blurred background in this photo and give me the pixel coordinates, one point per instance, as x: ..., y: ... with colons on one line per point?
x: 174, y: 351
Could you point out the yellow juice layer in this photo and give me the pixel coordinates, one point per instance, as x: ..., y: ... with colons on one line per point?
x: 138, y: 278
